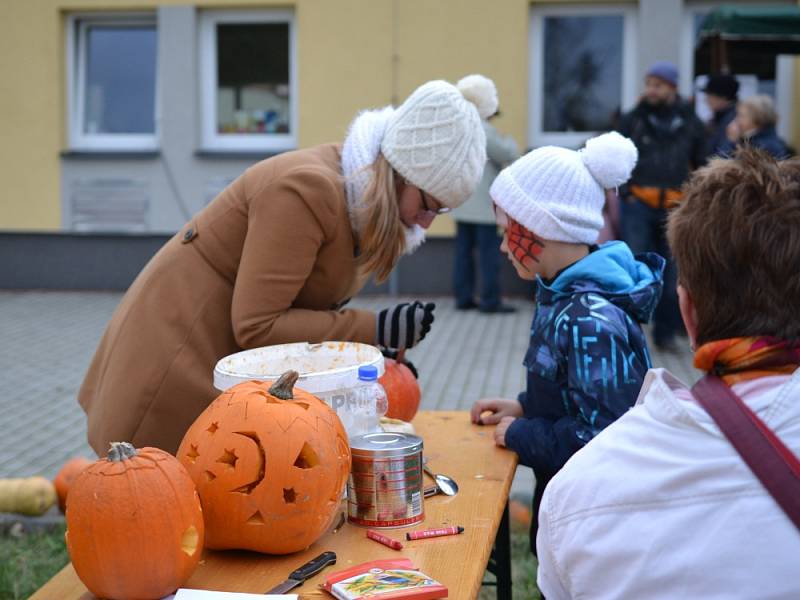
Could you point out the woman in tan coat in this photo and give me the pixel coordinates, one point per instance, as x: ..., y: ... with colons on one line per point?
x: 272, y: 259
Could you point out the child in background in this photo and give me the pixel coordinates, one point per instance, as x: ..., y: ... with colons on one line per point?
x: 587, y: 355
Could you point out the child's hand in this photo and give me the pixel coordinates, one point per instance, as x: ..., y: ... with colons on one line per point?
x: 498, y: 407
x: 500, y: 431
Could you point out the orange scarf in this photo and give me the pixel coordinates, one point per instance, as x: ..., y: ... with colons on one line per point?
x: 746, y: 358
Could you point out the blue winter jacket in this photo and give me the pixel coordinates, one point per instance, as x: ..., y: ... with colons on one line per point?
x: 587, y: 355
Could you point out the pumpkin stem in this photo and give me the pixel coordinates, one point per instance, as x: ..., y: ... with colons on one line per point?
x: 283, y: 387
x: 120, y: 451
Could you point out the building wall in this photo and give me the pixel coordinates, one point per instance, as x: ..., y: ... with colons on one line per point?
x: 351, y: 54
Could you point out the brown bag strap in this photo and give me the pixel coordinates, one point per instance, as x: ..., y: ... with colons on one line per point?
x: 767, y: 456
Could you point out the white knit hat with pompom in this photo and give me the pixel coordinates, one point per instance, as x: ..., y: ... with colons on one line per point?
x: 435, y: 139
x: 558, y: 193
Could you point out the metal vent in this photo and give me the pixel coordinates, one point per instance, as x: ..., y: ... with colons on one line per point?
x: 109, y: 204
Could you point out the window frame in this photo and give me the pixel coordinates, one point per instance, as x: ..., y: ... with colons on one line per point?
x: 537, y: 136
x: 238, y: 142
x: 77, y: 26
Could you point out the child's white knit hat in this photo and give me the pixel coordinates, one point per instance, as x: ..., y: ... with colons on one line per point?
x: 435, y: 139
x: 558, y: 193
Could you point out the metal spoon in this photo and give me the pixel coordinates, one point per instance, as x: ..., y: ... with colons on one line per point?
x: 446, y: 485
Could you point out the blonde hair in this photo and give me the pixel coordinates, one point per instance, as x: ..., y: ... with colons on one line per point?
x: 762, y: 110
x: 381, y: 232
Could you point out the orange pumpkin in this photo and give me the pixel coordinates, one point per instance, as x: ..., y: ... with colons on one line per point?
x: 134, y: 524
x: 270, y: 464
x: 66, y: 475
x: 402, y: 390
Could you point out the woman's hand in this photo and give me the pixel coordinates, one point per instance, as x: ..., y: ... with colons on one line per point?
x: 501, y: 429
x: 404, y: 325
x: 498, y: 409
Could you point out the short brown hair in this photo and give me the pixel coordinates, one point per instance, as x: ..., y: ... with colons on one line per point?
x: 735, y: 238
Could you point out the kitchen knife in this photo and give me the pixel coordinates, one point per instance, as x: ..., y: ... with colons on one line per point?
x: 299, y: 575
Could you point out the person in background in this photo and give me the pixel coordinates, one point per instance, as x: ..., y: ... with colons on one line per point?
x: 610, y: 229
x: 722, y: 93
x: 475, y: 226
x: 671, y: 142
x: 277, y: 254
x: 587, y: 353
x: 661, y: 505
x: 754, y: 125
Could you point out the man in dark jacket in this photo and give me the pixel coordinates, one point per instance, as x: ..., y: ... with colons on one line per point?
x: 721, y: 92
x: 671, y: 142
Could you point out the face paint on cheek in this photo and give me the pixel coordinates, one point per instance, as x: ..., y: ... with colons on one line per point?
x: 524, y: 246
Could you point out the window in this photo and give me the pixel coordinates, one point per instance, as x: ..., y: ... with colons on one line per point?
x: 582, y: 71
x: 248, y: 81
x: 112, y: 82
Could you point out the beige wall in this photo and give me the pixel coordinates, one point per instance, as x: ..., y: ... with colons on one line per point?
x: 352, y: 54
x: 30, y: 116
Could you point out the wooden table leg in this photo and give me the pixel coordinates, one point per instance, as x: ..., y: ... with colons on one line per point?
x: 500, y: 559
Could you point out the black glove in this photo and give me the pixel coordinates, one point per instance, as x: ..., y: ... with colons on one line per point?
x: 404, y: 325
x: 393, y: 355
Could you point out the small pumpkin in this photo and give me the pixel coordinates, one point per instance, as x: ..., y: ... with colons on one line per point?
x: 134, y: 524
x: 66, y: 475
x: 29, y: 496
x: 270, y: 463
x: 402, y: 390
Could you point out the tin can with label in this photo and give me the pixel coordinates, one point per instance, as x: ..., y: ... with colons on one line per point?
x: 385, y: 484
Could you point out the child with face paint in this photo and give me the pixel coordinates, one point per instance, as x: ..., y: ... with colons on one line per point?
x: 587, y: 355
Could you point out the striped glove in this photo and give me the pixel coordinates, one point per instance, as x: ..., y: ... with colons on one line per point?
x: 404, y: 325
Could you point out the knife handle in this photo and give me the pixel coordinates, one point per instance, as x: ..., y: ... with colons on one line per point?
x: 314, y: 566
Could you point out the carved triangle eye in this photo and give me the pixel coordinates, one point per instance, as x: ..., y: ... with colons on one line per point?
x: 307, y: 459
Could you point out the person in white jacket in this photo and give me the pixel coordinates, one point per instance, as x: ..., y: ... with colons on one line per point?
x: 660, y: 504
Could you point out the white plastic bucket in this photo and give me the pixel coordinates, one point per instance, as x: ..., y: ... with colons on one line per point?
x: 323, y: 367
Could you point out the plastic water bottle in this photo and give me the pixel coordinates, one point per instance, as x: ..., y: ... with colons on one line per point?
x: 372, y: 401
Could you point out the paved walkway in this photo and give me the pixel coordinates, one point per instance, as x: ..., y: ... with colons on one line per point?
x: 48, y: 339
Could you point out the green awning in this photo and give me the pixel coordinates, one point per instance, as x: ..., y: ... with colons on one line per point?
x: 763, y: 29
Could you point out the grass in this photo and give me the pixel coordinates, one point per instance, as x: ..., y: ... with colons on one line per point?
x: 28, y: 561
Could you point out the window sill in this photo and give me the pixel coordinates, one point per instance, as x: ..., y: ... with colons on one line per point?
x: 110, y: 154
x: 238, y: 154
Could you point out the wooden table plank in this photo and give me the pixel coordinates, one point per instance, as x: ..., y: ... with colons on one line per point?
x: 453, y: 446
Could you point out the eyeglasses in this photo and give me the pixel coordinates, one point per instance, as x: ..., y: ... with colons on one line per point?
x: 437, y: 211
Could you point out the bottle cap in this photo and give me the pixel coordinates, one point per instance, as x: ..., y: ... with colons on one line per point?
x: 368, y: 373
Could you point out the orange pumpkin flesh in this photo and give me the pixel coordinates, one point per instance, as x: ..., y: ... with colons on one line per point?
x: 402, y: 390
x: 270, y: 464
x: 134, y: 524
x: 64, y: 478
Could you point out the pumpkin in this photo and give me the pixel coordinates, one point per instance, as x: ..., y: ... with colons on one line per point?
x: 270, y: 463
x: 134, y: 524
x: 29, y: 496
x: 66, y: 475
x: 402, y: 390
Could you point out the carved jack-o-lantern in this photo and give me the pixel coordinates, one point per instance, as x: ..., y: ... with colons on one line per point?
x: 270, y: 464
